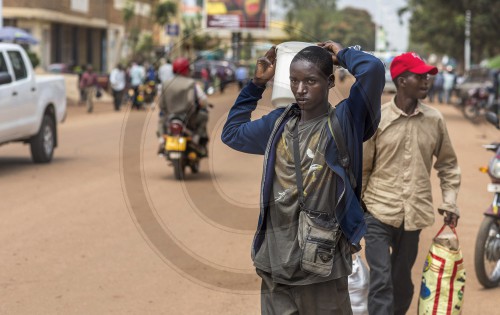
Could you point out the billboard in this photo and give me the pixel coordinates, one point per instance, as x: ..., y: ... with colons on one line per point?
x: 236, y: 14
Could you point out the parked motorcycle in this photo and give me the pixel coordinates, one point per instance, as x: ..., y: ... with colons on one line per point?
x: 181, y: 149
x: 487, y: 249
x: 478, y: 102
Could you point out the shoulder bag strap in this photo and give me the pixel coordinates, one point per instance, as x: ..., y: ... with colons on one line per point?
x: 296, y: 160
x: 338, y: 136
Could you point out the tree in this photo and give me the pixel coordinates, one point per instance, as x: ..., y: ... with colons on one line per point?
x: 164, y: 12
x: 194, y: 37
x: 309, y: 20
x: 248, y: 43
x: 352, y: 26
x: 438, y: 26
x: 319, y: 20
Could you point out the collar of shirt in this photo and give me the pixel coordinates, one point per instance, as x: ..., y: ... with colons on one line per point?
x: 396, y: 112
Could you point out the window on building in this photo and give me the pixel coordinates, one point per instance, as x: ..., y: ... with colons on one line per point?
x: 18, y: 65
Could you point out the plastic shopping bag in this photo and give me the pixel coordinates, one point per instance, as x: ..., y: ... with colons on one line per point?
x: 359, y: 282
x: 443, y: 279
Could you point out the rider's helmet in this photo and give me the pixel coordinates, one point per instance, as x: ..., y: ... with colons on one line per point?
x: 181, y: 66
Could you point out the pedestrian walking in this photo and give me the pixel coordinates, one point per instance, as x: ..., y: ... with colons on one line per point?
x: 449, y: 80
x: 88, y: 84
x: 165, y: 71
x: 117, y: 78
x: 137, y: 75
x: 241, y: 75
x: 222, y: 76
x: 205, y: 77
x: 311, y: 219
x: 436, y: 88
x: 397, y: 163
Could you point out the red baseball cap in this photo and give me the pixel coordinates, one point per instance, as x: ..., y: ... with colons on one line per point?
x: 411, y: 62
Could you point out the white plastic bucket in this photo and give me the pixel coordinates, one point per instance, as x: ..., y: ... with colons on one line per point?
x: 282, y: 94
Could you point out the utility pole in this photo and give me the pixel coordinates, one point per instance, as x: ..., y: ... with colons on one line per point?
x: 1, y: 13
x: 467, y: 40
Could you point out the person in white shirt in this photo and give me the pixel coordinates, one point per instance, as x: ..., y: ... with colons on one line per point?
x: 166, y: 71
x: 137, y: 76
x: 117, y: 78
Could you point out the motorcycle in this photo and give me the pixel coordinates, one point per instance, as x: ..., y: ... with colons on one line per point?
x: 487, y: 249
x: 149, y: 90
x: 479, y: 100
x: 181, y: 149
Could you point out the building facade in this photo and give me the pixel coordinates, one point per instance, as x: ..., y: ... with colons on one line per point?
x: 79, y: 32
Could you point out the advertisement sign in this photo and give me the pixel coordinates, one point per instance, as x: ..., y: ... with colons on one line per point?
x: 236, y: 14
x: 172, y: 29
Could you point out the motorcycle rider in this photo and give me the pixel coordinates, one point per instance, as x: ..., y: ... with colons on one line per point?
x: 182, y: 96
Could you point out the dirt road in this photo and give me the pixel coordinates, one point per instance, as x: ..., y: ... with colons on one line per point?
x: 106, y: 229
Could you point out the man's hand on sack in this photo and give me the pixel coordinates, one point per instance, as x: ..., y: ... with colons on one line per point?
x: 265, y: 68
x: 450, y: 218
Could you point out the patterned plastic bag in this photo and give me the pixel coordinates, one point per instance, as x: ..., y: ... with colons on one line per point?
x: 443, y: 279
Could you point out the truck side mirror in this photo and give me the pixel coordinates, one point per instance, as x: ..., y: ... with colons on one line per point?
x: 5, y: 78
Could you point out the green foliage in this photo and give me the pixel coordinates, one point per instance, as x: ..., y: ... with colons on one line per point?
x: 353, y: 27
x: 246, y: 51
x: 164, y: 12
x: 194, y: 38
x: 146, y: 44
x: 319, y: 20
x: 128, y: 11
x: 438, y: 26
x: 494, y: 63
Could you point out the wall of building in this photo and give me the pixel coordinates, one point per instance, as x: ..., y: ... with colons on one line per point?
x: 78, y: 31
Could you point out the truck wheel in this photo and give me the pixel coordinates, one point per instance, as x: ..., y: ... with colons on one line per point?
x: 43, y: 143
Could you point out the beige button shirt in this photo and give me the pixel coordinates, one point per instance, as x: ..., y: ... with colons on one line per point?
x: 397, y: 163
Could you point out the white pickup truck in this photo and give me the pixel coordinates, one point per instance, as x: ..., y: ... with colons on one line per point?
x: 30, y: 106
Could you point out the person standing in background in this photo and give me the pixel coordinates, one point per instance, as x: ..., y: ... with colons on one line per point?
x: 241, y: 76
x: 137, y: 76
x: 449, y: 78
x: 88, y: 84
x: 165, y: 71
x: 117, y: 78
x: 436, y: 88
x: 205, y: 77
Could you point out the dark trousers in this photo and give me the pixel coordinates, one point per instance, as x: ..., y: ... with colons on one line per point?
x: 329, y: 297
x: 390, y: 253
x: 117, y: 99
x: 135, y: 102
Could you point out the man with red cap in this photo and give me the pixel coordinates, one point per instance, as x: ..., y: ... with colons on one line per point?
x: 182, y: 96
x: 397, y: 163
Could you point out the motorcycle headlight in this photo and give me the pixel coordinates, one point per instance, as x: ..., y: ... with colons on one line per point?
x: 495, y: 168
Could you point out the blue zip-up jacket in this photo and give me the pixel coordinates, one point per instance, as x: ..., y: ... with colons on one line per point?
x: 359, y: 116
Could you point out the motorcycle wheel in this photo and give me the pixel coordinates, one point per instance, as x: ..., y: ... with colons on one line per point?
x: 179, y: 168
x: 487, y: 268
x: 195, y: 167
x: 470, y: 112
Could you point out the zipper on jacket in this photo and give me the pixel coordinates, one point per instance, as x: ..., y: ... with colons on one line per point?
x: 277, y: 124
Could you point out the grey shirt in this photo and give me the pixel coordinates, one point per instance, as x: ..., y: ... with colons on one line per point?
x: 280, y: 253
